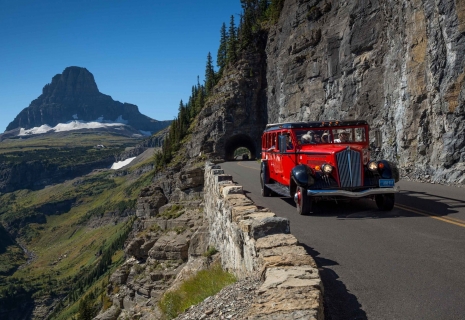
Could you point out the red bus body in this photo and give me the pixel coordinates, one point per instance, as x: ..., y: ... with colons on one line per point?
x: 313, y: 161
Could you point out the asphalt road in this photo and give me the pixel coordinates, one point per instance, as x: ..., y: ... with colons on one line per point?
x: 405, y: 264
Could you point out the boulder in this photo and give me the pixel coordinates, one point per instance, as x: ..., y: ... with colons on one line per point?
x: 150, y: 200
x: 171, y: 246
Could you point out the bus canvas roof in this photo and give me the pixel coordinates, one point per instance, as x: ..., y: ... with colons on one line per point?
x: 314, y: 124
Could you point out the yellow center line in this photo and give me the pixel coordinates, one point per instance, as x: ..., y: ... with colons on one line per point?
x: 240, y: 164
x: 450, y: 220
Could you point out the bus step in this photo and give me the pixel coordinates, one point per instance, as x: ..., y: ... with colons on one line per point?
x: 279, y: 189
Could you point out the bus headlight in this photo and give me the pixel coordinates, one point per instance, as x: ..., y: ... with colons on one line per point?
x: 327, y: 168
x: 373, y: 166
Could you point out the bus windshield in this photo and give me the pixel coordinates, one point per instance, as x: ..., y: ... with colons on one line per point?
x: 330, y: 136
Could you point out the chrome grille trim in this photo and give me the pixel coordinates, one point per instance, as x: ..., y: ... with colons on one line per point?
x: 349, y: 167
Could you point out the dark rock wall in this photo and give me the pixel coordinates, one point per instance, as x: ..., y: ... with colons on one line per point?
x: 235, y: 115
x: 398, y: 64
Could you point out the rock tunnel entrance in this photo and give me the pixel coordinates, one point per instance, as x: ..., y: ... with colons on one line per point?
x: 239, y: 141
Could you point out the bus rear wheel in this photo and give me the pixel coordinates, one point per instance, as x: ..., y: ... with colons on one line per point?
x: 265, y: 191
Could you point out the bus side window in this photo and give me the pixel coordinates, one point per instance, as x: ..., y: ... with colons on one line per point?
x: 282, y: 143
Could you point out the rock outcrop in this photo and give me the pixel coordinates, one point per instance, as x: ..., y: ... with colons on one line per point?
x: 157, y: 257
x: 235, y: 114
x: 149, y: 201
x: 154, y: 141
x: 38, y: 174
x: 398, y: 64
x: 274, y: 271
x: 73, y: 95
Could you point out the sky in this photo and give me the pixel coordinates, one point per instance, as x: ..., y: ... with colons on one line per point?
x: 148, y: 53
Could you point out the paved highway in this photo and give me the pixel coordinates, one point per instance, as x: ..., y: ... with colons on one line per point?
x: 405, y: 264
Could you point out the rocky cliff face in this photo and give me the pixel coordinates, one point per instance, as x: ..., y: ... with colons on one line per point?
x: 235, y: 114
x: 74, y: 95
x: 38, y: 174
x: 398, y: 64
x: 154, y: 141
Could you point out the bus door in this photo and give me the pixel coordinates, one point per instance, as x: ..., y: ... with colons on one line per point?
x: 271, y: 155
x: 286, y: 158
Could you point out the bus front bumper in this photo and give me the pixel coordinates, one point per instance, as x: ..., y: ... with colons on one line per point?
x: 351, y: 194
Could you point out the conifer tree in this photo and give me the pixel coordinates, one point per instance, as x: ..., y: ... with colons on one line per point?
x: 274, y: 10
x: 85, y: 309
x: 262, y: 7
x: 184, y: 118
x: 209, y: 75
x: 222, y: 50
x: 232, y: 42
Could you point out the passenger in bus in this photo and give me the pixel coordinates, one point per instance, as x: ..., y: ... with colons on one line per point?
x: 325, y: 138
x: 343, y: 137
x: 289, y: 145
x: 306, y: 139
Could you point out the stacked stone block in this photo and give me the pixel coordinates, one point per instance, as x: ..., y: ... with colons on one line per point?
x: 254, y: 241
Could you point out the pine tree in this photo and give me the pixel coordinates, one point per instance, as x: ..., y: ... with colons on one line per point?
x: 274, y: 10
x: 85, y: 309
x: 232, y: 42
x: 184, y: 118
x: 222, y: 50
x: 262, y: 7
x: 209, y: 75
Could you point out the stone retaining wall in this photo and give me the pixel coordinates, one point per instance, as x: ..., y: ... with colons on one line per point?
x: 255, y: 241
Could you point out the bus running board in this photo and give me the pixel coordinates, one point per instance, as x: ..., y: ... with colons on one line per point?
x: 279, y: 189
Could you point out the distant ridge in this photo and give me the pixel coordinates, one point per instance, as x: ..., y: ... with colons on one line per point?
x: 74, y: 95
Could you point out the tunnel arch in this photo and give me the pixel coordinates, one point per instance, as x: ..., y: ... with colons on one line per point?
x: 237, y: 141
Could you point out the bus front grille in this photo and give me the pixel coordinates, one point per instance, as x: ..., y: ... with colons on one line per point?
x: 349, y: 168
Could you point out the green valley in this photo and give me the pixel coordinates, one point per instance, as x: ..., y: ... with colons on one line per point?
x: 56, y: 241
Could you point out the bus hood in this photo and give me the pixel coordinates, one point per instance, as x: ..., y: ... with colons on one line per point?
x: 328, y: 148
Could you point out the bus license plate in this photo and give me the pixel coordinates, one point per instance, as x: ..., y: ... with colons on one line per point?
x: 386, y: 183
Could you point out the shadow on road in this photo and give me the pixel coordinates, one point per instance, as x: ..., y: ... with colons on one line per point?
x: 366, y: 208
x: 339, y: 303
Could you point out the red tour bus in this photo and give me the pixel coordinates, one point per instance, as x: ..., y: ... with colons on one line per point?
x: 325, y: 160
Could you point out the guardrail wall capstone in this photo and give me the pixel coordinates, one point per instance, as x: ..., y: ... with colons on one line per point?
x: 254, y: 241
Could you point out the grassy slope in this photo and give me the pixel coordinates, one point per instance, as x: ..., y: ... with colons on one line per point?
x: 67, y: 244
x: 71, y: 139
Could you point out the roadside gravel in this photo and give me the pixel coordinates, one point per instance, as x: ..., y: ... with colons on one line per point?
x: 232, y: 302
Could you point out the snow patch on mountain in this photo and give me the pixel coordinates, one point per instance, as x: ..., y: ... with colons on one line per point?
x: 120, y: 164
x: 145, y: 133
x: 121, y: 120
x: 69, y: 126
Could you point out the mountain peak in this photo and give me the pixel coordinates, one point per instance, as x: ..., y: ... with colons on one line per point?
x: 74, y: 95
x: 74, y: 81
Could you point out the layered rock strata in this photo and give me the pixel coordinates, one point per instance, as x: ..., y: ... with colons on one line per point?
x: 38, y: 174
x: 398, y: 64
x: 158, y: 255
